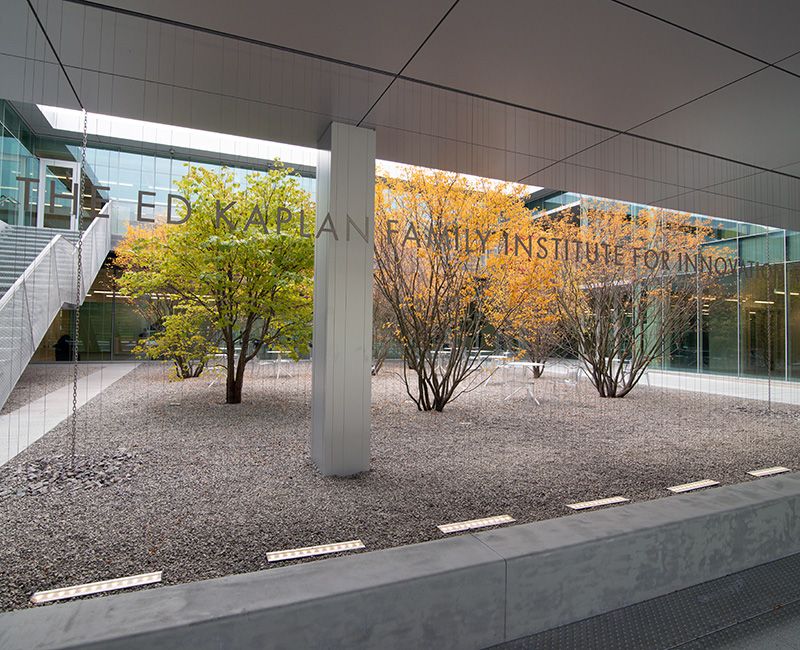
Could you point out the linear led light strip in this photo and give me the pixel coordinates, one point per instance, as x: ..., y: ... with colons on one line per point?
x: 458, y: 526
x: 95, y: 587
x: 696, y: 485
x: 769, y: 471
x: 308, y: 551
x: 597, y: 502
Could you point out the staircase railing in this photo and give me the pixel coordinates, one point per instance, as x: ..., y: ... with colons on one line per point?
x: 48, y: 284
x: 96, y: 242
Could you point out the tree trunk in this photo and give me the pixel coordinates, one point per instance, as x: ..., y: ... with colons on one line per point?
x: 233, y: 390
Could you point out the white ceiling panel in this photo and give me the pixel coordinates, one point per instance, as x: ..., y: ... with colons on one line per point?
x: 792, y: 64
x: 133, y: 67
x: 377, y: 34
x: 793, y: 169
x: 592, y: 60
x: 650, y: 161
x: 766, y: 29
x: 434, y: 112
x: 586, y: 59
x: 754, y: 121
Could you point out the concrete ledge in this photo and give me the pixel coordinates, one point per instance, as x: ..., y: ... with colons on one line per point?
x: 690, y: 618
x: 564, y: 570
x: 471, y: 591
x: 443, y: 594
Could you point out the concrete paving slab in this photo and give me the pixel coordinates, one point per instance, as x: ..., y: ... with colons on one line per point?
x: 21, y: 428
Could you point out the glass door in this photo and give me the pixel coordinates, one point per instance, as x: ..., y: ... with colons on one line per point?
x: 57, y: 194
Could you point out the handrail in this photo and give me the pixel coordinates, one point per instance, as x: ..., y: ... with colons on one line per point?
x: 48, y: 284
x: 31, y: 269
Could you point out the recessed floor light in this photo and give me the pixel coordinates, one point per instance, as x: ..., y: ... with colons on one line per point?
x: 308, y: 551
x: 583, y: 505
x: 471, y: 524
x: 769, y: 471
x: 696, y: 485
x: 95, y: 587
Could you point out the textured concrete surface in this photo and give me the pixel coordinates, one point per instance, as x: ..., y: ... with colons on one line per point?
x: 759, y: 605
x: 470, y: 591
x: 567, y: 569
x: 444, y: 594
x: 777, y: 630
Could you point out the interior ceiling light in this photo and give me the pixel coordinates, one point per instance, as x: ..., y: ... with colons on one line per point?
x: 583, y: 505
x: 308, y: 551
x: 471, y: 524
x: 95, y: 587
x: 696, y: 485
x: 769, y: 471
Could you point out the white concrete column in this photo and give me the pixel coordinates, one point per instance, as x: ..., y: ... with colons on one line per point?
x: 343, y: 257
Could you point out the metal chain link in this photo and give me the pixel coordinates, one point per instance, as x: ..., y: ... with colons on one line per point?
x: 78, y: 283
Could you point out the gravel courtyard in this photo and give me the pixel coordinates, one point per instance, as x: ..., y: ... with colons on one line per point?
x: 168, y: 477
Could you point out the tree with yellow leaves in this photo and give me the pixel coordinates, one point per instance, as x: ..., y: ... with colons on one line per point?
x: 523, y: 303
x: 434, y: 232
x: 626, y: 284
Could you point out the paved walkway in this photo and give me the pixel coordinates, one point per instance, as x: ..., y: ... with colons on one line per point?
x: 27, y: 424
x: 755, y: 388
x: 779, y: 391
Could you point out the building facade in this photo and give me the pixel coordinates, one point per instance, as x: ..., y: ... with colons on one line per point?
x: 110, y: 326
x: 751, y: 328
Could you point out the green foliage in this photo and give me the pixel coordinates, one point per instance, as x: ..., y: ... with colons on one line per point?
x: 185, y: 340
x: 229, y: 262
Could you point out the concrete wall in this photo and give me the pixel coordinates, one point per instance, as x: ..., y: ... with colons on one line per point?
x: 470, y: 591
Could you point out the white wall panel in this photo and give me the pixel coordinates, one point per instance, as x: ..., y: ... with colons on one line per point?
x: 342, y: 348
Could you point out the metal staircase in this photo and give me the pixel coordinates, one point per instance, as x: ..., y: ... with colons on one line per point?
x: 19, y: 247
x: 38, y: 277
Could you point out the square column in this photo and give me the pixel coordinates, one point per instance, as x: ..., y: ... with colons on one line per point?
x: 343, y: 266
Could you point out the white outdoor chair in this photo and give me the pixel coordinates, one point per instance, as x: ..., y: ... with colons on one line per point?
x: 645, y: 374
x: 570, y: 379
x: 528, y: 386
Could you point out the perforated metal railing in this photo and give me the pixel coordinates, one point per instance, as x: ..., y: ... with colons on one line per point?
x: 28, y: 308
x: 96, y: 244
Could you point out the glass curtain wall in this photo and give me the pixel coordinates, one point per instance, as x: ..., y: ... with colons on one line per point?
x: 750, y: 326
x: 16, y: 159
x: 124, y: 173
x: 110, y: 327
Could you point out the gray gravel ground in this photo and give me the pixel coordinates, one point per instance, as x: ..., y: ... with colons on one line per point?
x: 171, y: 478
x: 42, y: 378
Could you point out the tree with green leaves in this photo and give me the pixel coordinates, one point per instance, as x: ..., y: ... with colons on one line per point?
x: 241, y: 260
x: 185, y: 339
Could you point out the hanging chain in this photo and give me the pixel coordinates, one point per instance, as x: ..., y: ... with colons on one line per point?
x: 78, y: 283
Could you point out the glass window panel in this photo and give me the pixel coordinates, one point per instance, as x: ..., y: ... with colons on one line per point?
x: 681, y: 346
x: 762, y: 325
x: 719, y: 317
x: 793, y: 320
